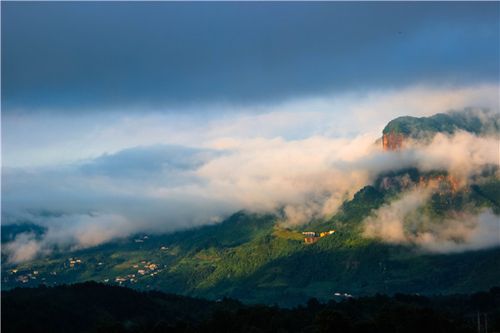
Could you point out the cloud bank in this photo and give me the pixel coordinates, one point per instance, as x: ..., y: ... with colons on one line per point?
x: 401, y: 222
x: 61, y: 55
x: 47, y: 139
x: 167, y: 186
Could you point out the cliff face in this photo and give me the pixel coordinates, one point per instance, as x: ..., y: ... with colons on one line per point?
x: 404, y: 180
x: 392, y: 141
x: 423, y: 129
x: 442, y: 183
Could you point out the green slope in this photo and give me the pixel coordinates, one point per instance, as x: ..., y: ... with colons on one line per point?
x: 250, y: 258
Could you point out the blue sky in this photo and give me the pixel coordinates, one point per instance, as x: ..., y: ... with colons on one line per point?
x: 131, y: 117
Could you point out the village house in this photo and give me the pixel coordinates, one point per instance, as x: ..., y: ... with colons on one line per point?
x: 310, y: 240
x: 312, y: 237
x: 119, y: 279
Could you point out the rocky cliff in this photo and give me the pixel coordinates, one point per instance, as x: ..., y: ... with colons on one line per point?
x: 476, y: 121
x: 392, y: 141
x: 406, y: 179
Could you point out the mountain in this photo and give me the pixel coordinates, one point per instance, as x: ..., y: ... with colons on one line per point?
x: 254, y: 258
x: 476, y: 121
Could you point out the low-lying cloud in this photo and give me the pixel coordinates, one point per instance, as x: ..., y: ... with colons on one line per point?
x: 305, y: 178
x: 71, y: 232
x: 401, y: 222
x: 165, y: 187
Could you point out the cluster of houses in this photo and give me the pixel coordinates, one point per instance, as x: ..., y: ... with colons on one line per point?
x: 142, y: 269
x: 23, y: 278
x: 146, y: 268
x: 312, y: 236
x: 130, y: 278
x: 74, y: 261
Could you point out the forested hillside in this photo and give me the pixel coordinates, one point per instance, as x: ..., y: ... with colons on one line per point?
x: 92, y: 307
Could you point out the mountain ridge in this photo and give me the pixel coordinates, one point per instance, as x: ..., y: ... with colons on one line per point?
x: 254, y: 258
x: 475, y: 121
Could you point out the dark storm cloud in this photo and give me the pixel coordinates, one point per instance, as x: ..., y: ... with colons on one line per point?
x: 58, y: 55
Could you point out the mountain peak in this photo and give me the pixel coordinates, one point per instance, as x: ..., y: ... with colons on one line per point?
x: 476, y: 121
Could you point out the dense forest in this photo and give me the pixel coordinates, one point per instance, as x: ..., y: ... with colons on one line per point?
x: 95, y: 307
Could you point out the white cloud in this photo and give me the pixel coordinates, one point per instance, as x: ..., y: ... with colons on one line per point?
x: 71, y: 231
x: 31, y: 140
x: 306, y: 157
x: 400, y: 222
x: 24, y: 247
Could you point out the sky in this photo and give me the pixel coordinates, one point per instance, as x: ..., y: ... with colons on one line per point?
x: 128, y: 116
x: 78, y: 56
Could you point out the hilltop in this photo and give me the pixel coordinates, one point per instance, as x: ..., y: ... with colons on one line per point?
x: 476, y: 121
